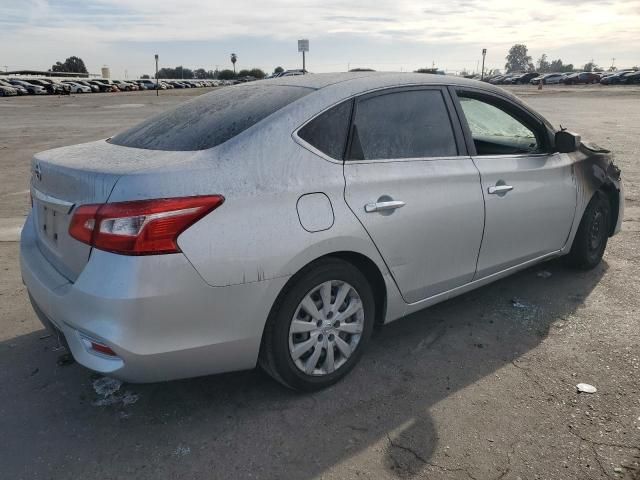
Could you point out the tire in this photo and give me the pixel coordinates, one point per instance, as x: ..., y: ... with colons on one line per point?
x: 323, y: 331
x: 591, y: 238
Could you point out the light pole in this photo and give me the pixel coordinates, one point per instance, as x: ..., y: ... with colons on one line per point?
x: 484, y: 54
x: 157, y: 82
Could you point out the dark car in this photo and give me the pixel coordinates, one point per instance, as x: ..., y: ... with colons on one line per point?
x: 32, y: 88
x: 104, y: 87
x: 51, y: 89
x: 94, y: 88
x: 581, y: 78
x: 66, y: 89
x: 617, y: 78
x: 632, y: 78
x: 523, y: 78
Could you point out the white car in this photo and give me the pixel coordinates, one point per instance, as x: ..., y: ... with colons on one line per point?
x: 78, y: 88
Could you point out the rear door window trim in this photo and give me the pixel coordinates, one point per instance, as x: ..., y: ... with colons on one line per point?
x: 458, y: 133
x: 451, y: 113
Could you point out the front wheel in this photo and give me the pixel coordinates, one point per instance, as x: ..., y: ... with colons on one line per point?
x: 319, y: 326
x: 591, y: 239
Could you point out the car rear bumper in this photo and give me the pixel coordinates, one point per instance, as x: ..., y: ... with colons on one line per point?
x: 155, y: 312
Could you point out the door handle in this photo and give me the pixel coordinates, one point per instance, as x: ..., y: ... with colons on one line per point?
x: 499, y: 189
x: 383, y: 206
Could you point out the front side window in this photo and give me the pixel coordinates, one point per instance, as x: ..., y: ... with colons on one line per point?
x: 496, y: 132
x: 406, y: 124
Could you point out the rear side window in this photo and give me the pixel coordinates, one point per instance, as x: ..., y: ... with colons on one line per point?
x: 328, y: 131
x: 211, y: 119
x: 409, y: 124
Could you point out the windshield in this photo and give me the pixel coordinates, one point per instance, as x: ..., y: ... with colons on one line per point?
x: 210, y: 119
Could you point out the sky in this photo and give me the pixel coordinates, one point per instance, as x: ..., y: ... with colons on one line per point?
x: 398, y: 35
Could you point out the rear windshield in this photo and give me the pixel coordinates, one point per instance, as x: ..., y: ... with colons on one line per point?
x: 210, y: 119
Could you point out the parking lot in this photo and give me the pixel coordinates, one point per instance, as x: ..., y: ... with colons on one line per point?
x: 479, y: 387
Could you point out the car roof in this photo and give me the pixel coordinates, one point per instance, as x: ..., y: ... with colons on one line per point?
x: 364, y: 81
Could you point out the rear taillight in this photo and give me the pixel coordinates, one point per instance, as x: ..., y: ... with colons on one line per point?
x: 145, y: 227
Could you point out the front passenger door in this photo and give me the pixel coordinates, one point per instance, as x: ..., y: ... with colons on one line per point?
x: 529, y: 192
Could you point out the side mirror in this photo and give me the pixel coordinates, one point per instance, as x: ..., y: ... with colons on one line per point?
x: 567, y: 142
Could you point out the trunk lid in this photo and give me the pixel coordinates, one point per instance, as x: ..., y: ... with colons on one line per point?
x: 67, y: 177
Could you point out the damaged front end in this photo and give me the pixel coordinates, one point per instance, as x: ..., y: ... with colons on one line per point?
x: 595, y: 170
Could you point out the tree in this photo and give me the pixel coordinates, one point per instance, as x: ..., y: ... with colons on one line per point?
x: 278, y: 70
x: 590, y: 67
x: 178, y: 72
x: 200, y: 73
x: 362, y: 70
x: 145, y: 76
x: 226, y: 74
x: 558, y: 66
x: 71, y: 64
x: 257, y: 73
x: 518, y: 59
x: 543, y: 63
x: 234, y: 59
x: 426, y: 70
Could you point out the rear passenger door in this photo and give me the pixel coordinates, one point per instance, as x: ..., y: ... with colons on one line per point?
x: 415, y: 190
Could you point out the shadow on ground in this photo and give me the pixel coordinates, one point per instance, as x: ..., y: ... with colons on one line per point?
x: 244, y: 424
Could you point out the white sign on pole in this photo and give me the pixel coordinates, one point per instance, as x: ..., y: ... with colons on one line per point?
x: 303, y: 45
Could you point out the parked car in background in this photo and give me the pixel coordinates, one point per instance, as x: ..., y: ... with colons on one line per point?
x: 548, y: 79
x: 503, y: 79
x: 523, y: 78
x: 66, y: 89
x: 7, y: 91
x: 581, y: 78
x: 112, y: 86
x: 161, y: 231
x: 77, y: 87
x: 102, y: 86
x: 150, y: 84
x: 125, y: 86
x: 33, y: 89
x: 632, y: 78
x: 94, y: 88
x: 19, y: 88
x: 616, y: 78
x: 50, y: 88
x: 292, y: 73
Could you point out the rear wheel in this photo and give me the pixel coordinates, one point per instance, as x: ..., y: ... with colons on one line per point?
x: 591, y: 239
x: 319, y: 326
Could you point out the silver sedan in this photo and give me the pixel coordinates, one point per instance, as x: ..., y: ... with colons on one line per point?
x: 276, y: 222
